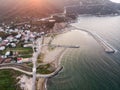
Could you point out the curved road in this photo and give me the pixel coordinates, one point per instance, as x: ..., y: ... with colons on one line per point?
x: 31, y: 73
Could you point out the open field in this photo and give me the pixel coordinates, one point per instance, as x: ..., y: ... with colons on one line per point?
x: 8, y: 80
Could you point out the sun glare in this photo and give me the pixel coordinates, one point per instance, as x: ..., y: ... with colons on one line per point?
x: 36, y: 1
x: 116, y: 1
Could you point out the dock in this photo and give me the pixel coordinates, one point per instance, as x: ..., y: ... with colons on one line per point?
x: 65, y: 46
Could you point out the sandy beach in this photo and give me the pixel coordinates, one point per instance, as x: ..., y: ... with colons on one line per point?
x: 51, y: 56
x: 25, y: 82
x: 41, y: 84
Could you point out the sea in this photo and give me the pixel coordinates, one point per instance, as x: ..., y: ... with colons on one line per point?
x: 89, y: 67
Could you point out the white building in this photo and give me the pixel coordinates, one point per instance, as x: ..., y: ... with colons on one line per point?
x: 18, y: 36
x: 0, y: 39
x: 1, y: 29
x: 7, y: 53
x: 13, y: 44
x: 2, y: 48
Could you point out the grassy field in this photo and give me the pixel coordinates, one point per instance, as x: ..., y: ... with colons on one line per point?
x: 23, y: 52
x: 45, y: 69
x: 8, y: 80
x: 40, y: 58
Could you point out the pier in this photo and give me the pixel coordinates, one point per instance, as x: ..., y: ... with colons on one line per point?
x: 65, y: 46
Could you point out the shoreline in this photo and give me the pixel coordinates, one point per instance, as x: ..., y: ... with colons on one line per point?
x: 58, y: 58
x: 53, y: 57
x: 58, y: 63
x: 106, y: 46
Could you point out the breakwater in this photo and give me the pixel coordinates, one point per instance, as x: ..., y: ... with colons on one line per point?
x: 106, y: 46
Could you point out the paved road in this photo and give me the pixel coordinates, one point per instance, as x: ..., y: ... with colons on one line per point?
x: 19, y: 66
x: 31, y: 73
x: 36, y: 45
x: 16, y: 69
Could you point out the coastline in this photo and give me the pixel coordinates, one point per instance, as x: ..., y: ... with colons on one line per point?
x: 45, y: 83
x: 42, y: 82
x: 57, y: 62
x: 52, y: 57
x: 25, y: 82
x: 56, y: 59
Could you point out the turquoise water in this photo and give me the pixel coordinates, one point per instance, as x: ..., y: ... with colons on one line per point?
x: 89, y: 68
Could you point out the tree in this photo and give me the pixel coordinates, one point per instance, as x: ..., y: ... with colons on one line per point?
x: 11, y: 53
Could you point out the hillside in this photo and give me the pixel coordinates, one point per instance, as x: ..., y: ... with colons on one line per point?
x: 19, y: 8
x: 10, y: 9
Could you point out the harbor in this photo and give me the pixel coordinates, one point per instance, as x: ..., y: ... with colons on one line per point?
x: 65, y: 46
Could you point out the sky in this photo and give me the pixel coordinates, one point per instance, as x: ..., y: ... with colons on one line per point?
x: 116, y: 1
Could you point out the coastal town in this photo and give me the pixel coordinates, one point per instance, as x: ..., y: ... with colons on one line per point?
x: 37, y: 45
x: 26, y: 47
x: 16, y: 40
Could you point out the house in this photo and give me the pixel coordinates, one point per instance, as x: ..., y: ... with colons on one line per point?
x: 31, y: 37
x: 5, y: 41
x: 10, y: 38
x: 1, y: 60
x: 52, y: 20
x: 19, y: 60
x: 11, y: 30
x: 7, y: 53
x: 16, y: 30
x: 26, y: 39
x: 13, y: 45
x: 27, y: 45
x: 42, y: 33
x: 38, y: 35
x: 2, y: 48
x: 0, y: 39
x: 3, y: 56
x: 1, y: 29
x: 18, y: 36
x: 15, y: 40
x: 7, y: 44
x: 7, y: 60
